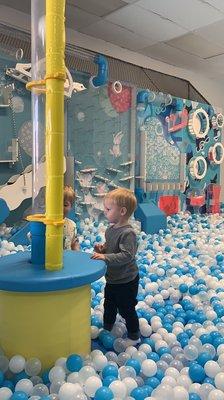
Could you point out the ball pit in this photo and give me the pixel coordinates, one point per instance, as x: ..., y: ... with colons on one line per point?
x: 181, y: 315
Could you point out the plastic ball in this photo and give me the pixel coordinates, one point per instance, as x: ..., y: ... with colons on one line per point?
x: 216, y: 394
x: 17, y: 364
x: 130, y: 384
x: 127, y: 372
x: 56, y: 374
x: 33, y: 366
x: 104, y: 393
x: 83, y: 374
x: 190, y: 352
x: 24, y: 385
x: 119, y: 389
x: 40, y: 390
x: 19, y: 396
x: 5, y: 393
x: 180, y: 393
x: 109, y: 370
x: 149, y: 368
x: 122, y: 358
x: 74, y: 363
x: 212, y: 368
x: 99, y: 362
x: 219, y: 381
x: 68, y: 391
x: 91, y: 385
x: 196, y: 373
x: 135, y: 364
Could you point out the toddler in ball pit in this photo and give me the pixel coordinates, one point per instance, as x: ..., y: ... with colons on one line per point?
x: 119, y: 252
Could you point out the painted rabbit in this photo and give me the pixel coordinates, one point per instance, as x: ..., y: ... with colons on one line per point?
x: 115, y: 151
x: 101, y: 188
x: 84, y: 179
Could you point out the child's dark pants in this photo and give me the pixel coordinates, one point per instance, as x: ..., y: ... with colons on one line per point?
x: 122, y: 298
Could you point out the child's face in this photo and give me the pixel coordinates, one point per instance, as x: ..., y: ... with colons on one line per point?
x: 67, y: 207
x: 113, y: 212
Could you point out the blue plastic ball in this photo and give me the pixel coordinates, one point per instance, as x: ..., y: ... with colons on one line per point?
x: 110, y: 370
x: 160, y: 374
x: 153, y: 356
x: 74, y: 363
x: 19, y: 396
x: 104, y: 393
x: 135, y: 364
x: 183, y: 288
x: 108, y: 380
x: 194, y: 396
x: 108, y: 341
x: 196, y: 373
x: 9, y: 384
x: 153, y: 382
x: 138, y: 393
x: 1, y: 378
x: 203, y: 358
x: 45, y: 376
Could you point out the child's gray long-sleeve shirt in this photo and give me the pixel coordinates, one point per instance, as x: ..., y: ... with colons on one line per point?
x: 121, y: 248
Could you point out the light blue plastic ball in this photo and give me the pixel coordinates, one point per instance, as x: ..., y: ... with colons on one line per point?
x: 196, y: 373
x: 19, y: 396
x: 74, y: 363
x: 110, y: 370
x: 104, y: 393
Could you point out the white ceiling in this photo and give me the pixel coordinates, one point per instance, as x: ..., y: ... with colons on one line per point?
x: 184, y: 33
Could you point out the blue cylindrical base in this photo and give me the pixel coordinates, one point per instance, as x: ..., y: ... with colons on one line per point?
x: 37, y: 242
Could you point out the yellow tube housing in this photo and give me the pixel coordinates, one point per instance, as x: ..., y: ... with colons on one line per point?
x: 55, y: 77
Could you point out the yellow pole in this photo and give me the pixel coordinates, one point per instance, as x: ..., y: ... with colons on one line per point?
x: 55, y: 77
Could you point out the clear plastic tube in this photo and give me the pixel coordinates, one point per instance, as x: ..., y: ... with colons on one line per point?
x: 38, y: 103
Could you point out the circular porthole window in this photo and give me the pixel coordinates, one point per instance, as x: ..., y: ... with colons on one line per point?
x: 198, y: 123
x: 216, y: 153
x: 198, y: 167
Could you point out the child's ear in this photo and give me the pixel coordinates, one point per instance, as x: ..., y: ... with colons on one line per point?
x: 123, y: 211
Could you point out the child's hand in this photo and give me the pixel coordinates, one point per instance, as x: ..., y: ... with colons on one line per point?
x: 98, y: 256
x: 99, y: 248
x: 75, y: 245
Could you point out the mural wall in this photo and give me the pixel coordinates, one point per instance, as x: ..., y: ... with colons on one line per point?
x: 179, y: 142
x: 99, y: 126
x: 167, y: 149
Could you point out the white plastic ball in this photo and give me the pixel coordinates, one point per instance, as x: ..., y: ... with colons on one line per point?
x: 180, y: 393
x: 149, y: 368
x: 85, y: 373
x: 91, y: 385
x: 5, y: 393
x: 17, y: 364
x: 219, y: 381
x: 94, y: 332
x: 56, y: 374
x: 68, y: 391
x: 130, y: 384
x: 119, y: 389
x: 212, y: 368
x: 100, y: 362
x: 40, y: 390
x: 33, y: 366
x: 216, y: 394
x: 24, y: 385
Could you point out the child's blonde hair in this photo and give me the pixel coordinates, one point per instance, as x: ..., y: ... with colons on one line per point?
x: 69, y: 194
x: 123, y: 198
